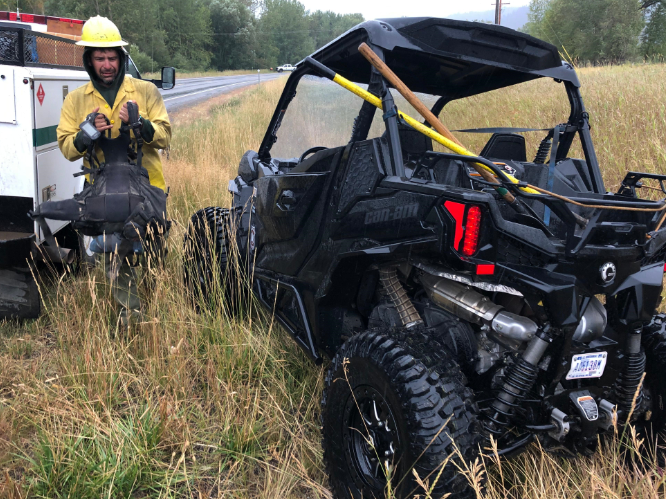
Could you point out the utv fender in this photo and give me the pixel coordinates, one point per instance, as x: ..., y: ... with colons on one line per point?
x: 638, y: 295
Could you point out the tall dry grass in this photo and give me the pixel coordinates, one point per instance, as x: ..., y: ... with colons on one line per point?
x: 205, y: 405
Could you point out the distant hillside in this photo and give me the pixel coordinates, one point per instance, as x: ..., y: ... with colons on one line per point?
x: 512, y: 17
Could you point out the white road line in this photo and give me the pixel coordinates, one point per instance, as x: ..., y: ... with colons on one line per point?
x: 209, y: 90
x: 202, y: 91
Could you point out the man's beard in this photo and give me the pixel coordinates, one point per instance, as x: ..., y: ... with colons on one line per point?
x: 107, y: 78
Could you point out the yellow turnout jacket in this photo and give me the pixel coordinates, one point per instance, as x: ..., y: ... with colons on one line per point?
x: 82, y: 101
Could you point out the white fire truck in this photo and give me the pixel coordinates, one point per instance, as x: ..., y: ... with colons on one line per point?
x: 39, y: 65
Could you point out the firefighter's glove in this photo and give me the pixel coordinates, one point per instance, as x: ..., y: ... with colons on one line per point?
x: 81, y: 142
x: 147, y: 130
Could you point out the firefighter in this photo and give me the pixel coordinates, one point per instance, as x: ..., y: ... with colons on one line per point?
x: 107, y: 93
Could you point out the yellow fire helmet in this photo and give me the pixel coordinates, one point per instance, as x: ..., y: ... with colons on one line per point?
x: 100, y: 32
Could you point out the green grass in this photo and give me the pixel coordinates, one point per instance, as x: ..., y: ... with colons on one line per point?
x: 116, y: 459
x: 207, y: 405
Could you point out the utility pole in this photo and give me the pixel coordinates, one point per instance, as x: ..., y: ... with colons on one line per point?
x: 498, y: 11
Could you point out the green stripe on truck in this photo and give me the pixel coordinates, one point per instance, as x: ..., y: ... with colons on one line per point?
x: 42, y: 136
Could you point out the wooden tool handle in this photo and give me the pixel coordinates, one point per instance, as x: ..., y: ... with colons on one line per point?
x: 406, y: 92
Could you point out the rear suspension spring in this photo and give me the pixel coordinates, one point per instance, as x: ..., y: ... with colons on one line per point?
x: 517, y: 384
x: 629, y: 380
x: 396, y: 293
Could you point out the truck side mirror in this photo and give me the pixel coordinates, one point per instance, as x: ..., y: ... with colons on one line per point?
x: 168, y: 78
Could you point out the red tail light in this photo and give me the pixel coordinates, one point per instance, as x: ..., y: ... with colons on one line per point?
x: 457, y: 211
x: 472, y: 229
x: 465, y: 239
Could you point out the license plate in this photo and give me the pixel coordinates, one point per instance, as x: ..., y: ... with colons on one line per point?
x: 587, y: 365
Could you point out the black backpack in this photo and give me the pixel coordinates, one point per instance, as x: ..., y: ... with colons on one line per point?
x: 119, y: 198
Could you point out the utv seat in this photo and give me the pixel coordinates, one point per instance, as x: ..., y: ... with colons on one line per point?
x: 413, y: 143
x: 450, y: 172
x: 510, y: 146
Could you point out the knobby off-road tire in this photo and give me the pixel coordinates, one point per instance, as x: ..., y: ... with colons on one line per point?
x: 381, y: 380
x: 654, y: 343
x: 206, y: 257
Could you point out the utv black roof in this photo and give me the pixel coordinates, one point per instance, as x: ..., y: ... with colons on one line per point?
x: 446, y: 57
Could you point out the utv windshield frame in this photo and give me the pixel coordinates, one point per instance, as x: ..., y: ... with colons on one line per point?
x: 451, y: 60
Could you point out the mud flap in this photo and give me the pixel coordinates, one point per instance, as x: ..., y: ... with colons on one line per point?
x: 19, y: 296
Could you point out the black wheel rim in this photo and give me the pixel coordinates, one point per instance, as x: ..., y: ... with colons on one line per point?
x: 371, y: 438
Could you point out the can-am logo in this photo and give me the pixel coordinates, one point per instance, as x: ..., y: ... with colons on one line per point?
x: 608, y: 272
x: 391, y: 214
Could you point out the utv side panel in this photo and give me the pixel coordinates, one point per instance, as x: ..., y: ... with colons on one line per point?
x: 291, y: 208
x: 385, y: 219
x: 363, y: 173
x: 285, y: 202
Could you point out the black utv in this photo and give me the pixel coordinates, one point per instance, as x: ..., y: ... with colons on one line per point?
x: 451, y: 318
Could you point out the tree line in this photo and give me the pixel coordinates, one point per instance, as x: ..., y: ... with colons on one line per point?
x: 196, y: 35
x: 601, y: 31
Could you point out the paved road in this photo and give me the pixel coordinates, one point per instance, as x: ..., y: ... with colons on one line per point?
x: 192, y: 91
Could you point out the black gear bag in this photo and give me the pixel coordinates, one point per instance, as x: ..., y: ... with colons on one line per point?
x: 119, y: 198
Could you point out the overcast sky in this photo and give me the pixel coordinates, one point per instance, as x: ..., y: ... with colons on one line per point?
x: 373, y: 9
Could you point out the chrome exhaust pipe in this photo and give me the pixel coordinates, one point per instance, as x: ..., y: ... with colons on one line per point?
x: 476, y: 308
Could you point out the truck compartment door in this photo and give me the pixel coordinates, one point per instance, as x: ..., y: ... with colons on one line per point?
x: 7, y: 103
x: 54, y: 172
x: 55, y: 181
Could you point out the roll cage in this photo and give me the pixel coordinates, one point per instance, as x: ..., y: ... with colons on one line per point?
x: 394, y: 42
x: 457, y: 59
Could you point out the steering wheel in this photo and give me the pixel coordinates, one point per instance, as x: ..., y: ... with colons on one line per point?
x: 311, y: 151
